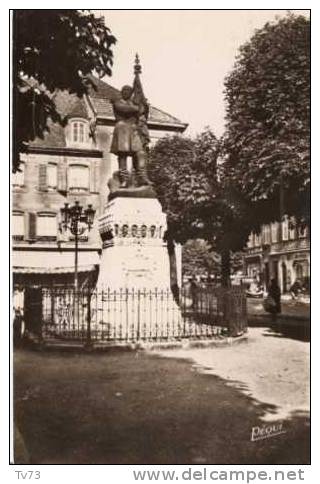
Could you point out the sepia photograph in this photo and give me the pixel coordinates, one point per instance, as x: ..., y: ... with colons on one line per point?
x: 160, y: 240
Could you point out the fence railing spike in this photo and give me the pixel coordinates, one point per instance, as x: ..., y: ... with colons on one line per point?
x: 127, y: 314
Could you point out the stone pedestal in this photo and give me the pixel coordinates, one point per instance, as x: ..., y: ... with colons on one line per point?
x: 134, y: 254
x: 134, y: 290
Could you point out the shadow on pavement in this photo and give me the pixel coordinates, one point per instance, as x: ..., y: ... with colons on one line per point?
x: 137, y: 408
x: 283, y: 330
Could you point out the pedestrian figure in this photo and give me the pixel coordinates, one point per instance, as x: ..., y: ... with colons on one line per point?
x: 18, y: 316
x: 296, y: 289
x: 273, y: 301
x: 17, y: 328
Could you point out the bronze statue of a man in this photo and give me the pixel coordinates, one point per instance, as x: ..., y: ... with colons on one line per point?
x: 127, y: 139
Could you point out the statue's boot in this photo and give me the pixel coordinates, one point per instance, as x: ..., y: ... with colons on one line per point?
x: 142, y: 178
x: 124, y: 178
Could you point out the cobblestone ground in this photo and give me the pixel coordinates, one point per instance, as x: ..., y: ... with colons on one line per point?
x: 138, y: 408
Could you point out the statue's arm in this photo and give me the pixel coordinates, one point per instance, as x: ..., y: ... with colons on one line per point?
x: 125, y: 108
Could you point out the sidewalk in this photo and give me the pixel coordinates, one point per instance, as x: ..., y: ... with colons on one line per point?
x: 291, y: 310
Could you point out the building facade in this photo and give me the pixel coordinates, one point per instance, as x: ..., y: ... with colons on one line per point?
x: 70, y: 163
x: 280, y: 251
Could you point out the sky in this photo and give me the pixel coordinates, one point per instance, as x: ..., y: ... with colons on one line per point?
x: 185, y: 56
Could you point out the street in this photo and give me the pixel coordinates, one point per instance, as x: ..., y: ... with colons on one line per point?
x: 297, y: 309
x: 197, y: 406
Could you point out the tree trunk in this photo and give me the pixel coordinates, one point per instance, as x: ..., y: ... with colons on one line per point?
x: 173, y: 269
x: 225, y: 267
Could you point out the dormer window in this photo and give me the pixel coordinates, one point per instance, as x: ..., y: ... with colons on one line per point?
x: 79, y: 132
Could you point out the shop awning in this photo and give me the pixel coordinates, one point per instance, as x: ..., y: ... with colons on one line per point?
x: 53, y: 270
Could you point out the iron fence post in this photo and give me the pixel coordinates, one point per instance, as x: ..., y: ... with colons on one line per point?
x: 138, y: 316
x: 88, y: 341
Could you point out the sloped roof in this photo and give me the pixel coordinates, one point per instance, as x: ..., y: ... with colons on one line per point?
x: 70, y: 105
x: 54, y: 138
x: 102, y: 96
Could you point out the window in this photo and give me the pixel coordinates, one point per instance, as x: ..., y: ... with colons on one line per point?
x: 274, y: 232
x: 292, y: 229
x: 79, y: 132
x: 257, y: 240
x: 18, y: 226
x: 47, y: 226
x: 285, y: 229
x: 302, y: 231
x: 299, y: 271
x: 52, y: 175
x: 250, y: 243
x: 18, y: 177
x: 266, y: 235
x: 79, y: 177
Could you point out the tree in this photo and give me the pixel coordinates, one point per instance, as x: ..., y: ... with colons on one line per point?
x: 199, y: 258
x: 188, y: 182
x: 267, y: 138
x: 53, y: 50
x: 184, y: 175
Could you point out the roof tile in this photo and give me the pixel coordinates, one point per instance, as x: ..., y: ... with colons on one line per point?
x: 101, y: 94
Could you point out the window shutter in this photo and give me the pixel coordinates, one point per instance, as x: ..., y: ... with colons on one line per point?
x: 43, y: 177
x: 92, y: 177
x: 62, y: 177
x: 95, y: 177
x: 32, y: 226
x: 26, y: 225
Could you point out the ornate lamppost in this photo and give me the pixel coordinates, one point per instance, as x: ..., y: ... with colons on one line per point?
x: 77, y: 221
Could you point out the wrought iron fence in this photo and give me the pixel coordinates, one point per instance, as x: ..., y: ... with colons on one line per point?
x: 147, y: 315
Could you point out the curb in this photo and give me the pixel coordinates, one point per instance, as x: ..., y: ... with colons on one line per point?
x: 191, y: 344
x: 143, y: 346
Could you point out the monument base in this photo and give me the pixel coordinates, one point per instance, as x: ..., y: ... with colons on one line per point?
x: 138, y: 278
x: 134, y: 254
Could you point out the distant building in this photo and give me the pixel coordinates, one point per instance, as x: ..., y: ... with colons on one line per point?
x: 280, y: 251
x: 70, y: 163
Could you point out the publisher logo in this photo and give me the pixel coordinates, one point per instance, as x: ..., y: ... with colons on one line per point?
x: 266, y: 431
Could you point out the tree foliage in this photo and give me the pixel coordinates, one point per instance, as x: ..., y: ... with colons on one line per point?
x: 184, y: 172
x: 53, y: 50
x: 187, y: 178
x: 267, y: 139
x: 198, y: 258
